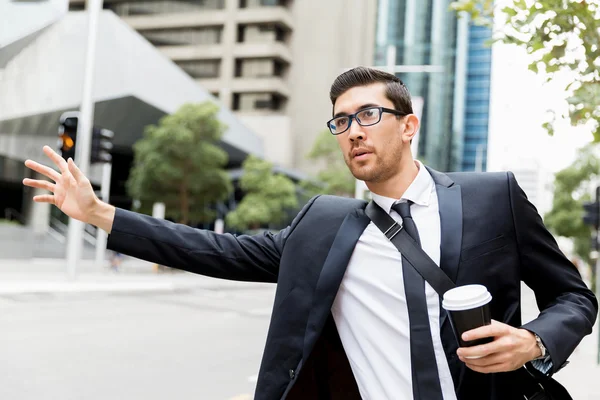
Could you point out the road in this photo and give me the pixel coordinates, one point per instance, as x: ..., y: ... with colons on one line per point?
x: 136, y: 335
x: 194, y: 344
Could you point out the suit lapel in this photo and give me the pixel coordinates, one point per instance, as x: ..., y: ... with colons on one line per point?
x: 331, y: 275
x: 451, y: 221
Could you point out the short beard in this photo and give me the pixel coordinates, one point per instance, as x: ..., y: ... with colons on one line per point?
x: 376, y: 174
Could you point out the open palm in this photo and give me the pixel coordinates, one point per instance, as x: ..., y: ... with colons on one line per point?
x: 71, y: 191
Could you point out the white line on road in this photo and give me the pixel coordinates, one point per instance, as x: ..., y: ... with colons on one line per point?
x: 242, y: 397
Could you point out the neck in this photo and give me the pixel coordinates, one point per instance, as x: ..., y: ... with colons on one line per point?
x: 395, y: 186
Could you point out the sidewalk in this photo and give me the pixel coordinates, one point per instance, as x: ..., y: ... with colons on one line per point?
x: 50, y: 276
x: 582, y: 376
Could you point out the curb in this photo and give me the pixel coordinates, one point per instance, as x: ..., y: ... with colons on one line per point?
x: 91, y: 287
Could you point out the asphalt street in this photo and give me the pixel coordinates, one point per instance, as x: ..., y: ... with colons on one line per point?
x: 140, y: 335
x: 191, y: 344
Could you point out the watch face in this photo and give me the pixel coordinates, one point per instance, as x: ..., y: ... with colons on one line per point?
x: 541, y: 345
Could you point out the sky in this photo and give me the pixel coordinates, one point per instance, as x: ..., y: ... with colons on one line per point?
x: 519, y: 103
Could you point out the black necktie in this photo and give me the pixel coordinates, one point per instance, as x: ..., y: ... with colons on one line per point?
x: 425, y: 379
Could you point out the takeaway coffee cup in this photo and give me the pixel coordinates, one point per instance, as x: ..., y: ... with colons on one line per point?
x: 468, y: 308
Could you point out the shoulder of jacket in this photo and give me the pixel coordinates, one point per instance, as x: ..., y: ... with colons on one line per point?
x: 326, y: 200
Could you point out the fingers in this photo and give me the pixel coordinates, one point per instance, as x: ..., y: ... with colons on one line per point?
x: 75, y: 171
x: 42, y: 169
x: 489, y: 369
x: 40, y: 184
x: 56, y: 158
x: 493, y: 330
x: 44, y: 198
x: 482, y: 350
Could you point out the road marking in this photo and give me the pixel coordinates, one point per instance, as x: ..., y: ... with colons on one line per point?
x: 242, y: 397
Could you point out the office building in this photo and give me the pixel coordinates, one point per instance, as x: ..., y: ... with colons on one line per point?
x: 444, y: 60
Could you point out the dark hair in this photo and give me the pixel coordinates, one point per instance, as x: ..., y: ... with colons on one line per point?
x: 395, y: 90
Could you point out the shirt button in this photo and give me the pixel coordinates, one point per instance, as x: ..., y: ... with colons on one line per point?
x: 292, y: 374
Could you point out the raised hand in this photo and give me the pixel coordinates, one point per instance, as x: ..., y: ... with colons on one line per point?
x: 71, y: 191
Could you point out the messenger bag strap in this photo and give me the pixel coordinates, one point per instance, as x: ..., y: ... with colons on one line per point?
x: 406, y: 245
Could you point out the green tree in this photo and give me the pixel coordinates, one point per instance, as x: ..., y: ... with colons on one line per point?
x: 179, y: 163
x: 268, y: 196
x: 335, y: 178
x: 560, y: 36
x: 571, y: 190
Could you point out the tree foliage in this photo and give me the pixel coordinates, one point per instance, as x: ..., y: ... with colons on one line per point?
x: 179, y: 163
x: 571, y: 190
x: 335, y: 178
x: 560, y: 36
x: 268, y: 196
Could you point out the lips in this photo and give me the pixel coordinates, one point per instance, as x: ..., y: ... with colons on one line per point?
x: 359, y: 152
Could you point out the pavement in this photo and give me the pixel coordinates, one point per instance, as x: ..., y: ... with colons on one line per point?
x: 580, y: 377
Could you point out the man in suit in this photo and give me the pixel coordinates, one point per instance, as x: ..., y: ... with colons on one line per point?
x: 351, y: 319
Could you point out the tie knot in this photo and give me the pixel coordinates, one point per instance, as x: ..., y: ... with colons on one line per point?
x: 403, y: 209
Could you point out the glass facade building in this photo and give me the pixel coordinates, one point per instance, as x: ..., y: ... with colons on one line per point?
x: 445, y: 61
x: 477, y: 106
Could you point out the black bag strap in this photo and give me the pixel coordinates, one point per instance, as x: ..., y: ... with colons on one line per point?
x: 406, y: 245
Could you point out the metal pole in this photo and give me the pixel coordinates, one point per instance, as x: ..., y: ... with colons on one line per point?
x: 598, y: 273
x: 101, y: 236
x: 84, y: 133
x: 598, y: 297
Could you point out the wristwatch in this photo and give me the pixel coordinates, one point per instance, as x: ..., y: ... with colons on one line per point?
x: 538, y: 341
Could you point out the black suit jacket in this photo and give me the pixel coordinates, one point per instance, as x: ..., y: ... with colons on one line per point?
x: 490, y: 234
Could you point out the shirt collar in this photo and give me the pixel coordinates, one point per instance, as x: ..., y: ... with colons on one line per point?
x: 419, y: 191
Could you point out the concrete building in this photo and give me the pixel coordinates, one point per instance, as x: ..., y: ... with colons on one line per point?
x: 446, y: 63
x: 270, y: 61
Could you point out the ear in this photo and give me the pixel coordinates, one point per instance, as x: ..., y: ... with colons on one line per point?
x: 410, y: 127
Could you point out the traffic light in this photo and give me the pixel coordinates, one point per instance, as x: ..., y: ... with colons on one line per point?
x: 101, y: 145
x: 591, y: 214
x: 67, y: 134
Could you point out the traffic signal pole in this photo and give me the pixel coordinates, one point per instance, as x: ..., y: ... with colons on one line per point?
x: 84, y: 133
x: 101, y: 236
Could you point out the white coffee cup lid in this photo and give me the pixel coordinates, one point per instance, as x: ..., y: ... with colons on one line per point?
x: 466, y: 297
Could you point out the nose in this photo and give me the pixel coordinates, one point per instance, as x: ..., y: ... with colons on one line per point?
x: 355, y: 132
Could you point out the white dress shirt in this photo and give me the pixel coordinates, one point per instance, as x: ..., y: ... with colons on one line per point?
x: 370, y: 309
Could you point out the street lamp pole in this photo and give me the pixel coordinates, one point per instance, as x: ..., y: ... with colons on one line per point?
x: 84, y: 133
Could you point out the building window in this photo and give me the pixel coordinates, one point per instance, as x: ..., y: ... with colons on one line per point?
x: 149, y: 7
x: 201, y: 69
x: 263, y: 33
x: 205, y: 35
x: 258, y: 68
x: 257, y: 102
x: 263, y: 3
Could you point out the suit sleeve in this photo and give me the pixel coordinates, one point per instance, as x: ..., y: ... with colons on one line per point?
x: 226, y: 256
x: 567, y: 307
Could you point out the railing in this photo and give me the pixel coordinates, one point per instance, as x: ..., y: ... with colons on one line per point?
x: 61, y: 229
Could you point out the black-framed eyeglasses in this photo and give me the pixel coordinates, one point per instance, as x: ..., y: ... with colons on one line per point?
x: 365, y: 117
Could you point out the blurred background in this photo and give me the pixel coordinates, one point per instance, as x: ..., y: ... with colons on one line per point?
x: 212, y: 113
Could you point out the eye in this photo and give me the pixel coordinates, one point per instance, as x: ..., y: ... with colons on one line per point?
x: 369, y: 114
x: 339, y: 122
